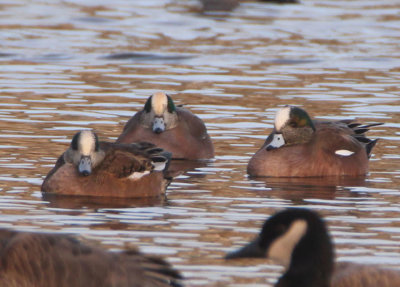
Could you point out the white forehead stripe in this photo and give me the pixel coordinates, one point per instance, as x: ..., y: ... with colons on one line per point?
x: 282, y: 248
x: 159, y: 102
x: 86, y: 143
x: 344, y: 152
x: 282, y: 116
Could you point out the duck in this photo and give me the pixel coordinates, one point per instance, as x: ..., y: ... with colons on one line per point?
x: 298, y: 239
x: 170, y: 127
x: 301, y: 147
x: 58, y: 260
x: 90, y: 167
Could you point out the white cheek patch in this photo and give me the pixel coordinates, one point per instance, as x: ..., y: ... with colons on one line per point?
x: 277, y: 141
x: 281, y: 118
x: 282, y: 248
x: 137, y: 175
x: 344, y: 152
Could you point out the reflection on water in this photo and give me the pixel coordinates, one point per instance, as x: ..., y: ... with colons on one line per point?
x: 298, y: 189
x: 72, y: 65
x: 71, y: 202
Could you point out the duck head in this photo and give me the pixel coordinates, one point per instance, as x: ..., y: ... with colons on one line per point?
x: 84, y: 152
x: 159, y: 113
x: 292, y: 126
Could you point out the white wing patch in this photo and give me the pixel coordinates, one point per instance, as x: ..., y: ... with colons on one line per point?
x: 159, y: 166
x: 344, y: 152
x: 137, y: 175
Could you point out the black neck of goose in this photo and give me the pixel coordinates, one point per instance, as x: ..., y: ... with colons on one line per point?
x: 312, y: 259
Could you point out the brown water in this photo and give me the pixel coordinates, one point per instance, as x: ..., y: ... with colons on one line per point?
x: 66, y: 66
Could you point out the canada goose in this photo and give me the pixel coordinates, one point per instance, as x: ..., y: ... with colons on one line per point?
x: 92, y: 168
x: 172, y: 128
x: 301, y: 147
x: 298, y: 239
x: 55, y: 260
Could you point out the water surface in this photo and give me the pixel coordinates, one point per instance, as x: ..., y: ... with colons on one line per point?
x: 69, y: 65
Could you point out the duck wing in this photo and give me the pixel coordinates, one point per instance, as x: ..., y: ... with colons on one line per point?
x: 124, y: 160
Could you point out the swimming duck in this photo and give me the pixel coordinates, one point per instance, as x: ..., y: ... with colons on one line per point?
x: 172, y: 128
x: 301, y: 147
x: 92, y: 168
x: 298, y: 239
x: 57, y: 260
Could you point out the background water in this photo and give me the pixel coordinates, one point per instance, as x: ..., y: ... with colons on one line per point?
x: 69, y: 65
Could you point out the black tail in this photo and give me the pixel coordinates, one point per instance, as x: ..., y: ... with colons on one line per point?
x: 359, y: 133
x: 370, y: 146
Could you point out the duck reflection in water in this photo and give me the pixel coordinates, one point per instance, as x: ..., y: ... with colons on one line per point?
x: 297, y: 189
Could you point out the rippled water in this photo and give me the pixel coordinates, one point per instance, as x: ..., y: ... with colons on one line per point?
x: 67, y: 66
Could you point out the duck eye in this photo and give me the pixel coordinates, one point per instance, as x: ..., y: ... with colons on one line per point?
x: 293, y: 124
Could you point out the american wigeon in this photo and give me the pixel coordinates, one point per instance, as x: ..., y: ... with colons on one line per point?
x: 301, y: 147
x: 93, y: 168
x: 172, y: 128
x: 298, y: 239
x: 55, y: 260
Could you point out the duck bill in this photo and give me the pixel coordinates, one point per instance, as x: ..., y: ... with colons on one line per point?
x: 85, y: 166
x: 251, y: 250
x: 158, y: 125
